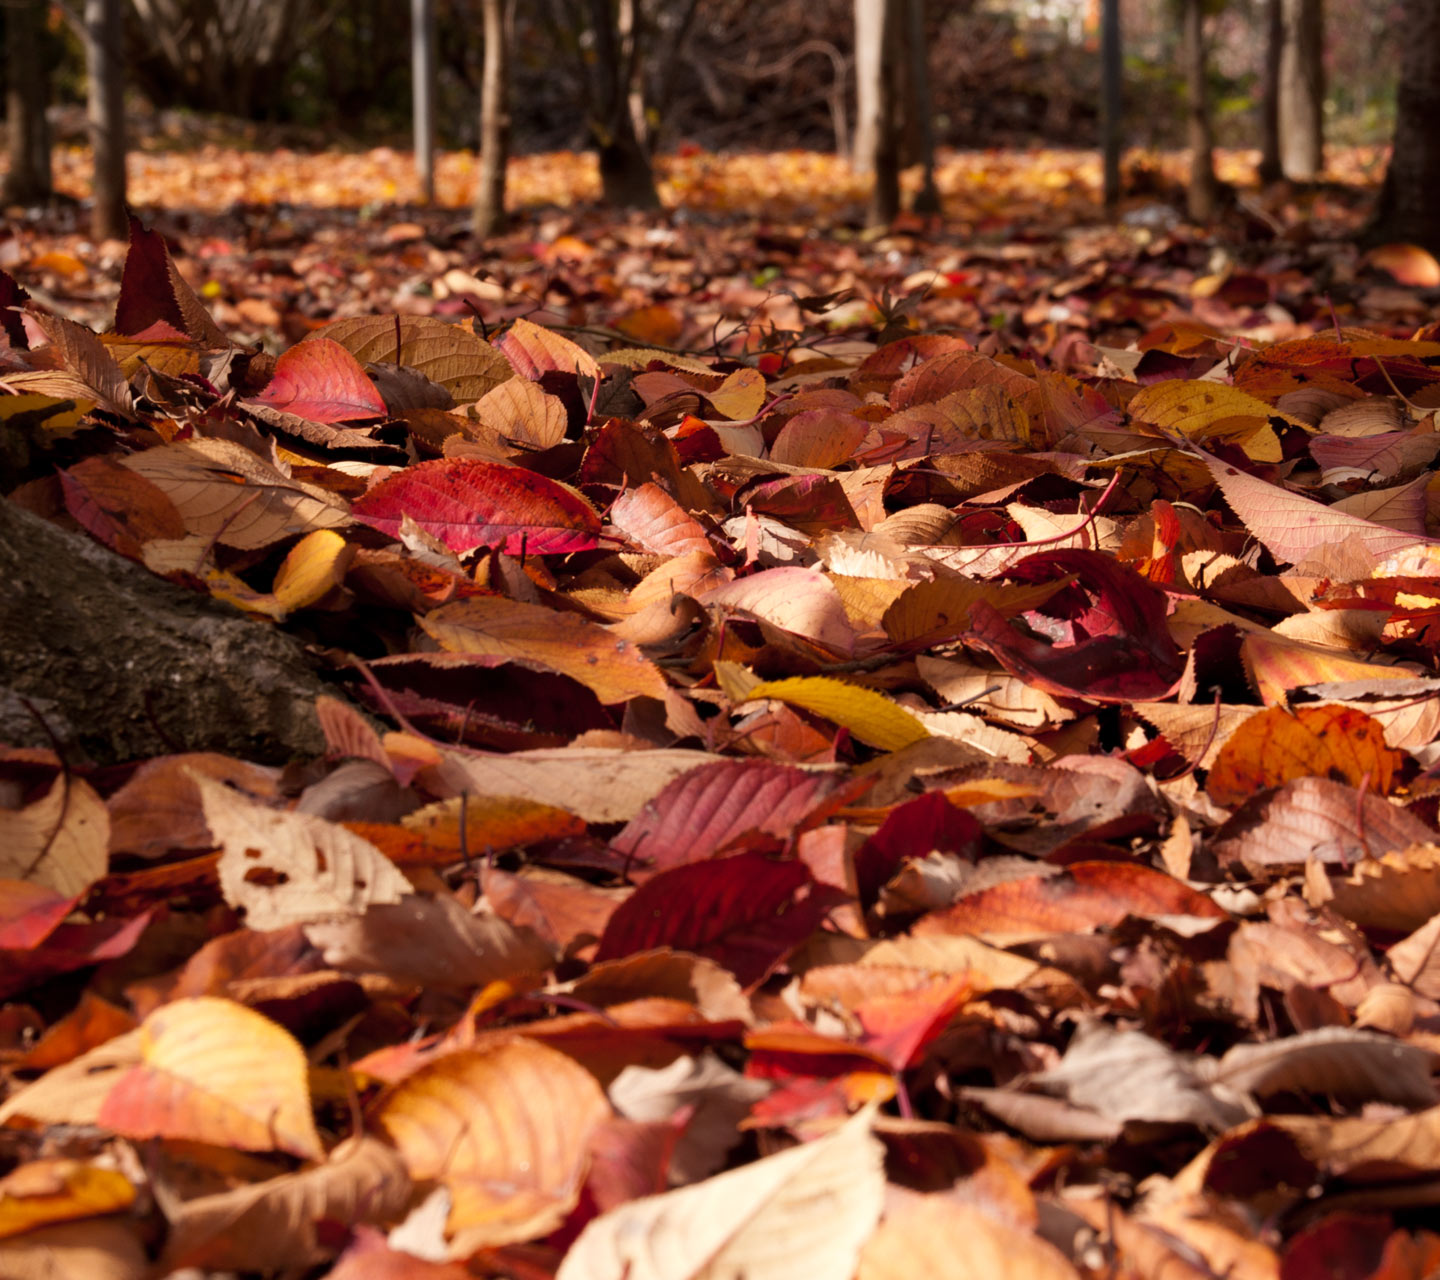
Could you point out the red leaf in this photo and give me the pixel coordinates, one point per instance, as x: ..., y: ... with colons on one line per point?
x: 741, y: 912
x: 154, y: 297
x: 1129, y: 655
x: 29, y: 913
x: 469, y: 503
x: 900, y: 1026
x: 710, y: 808
x: 323, y: 382
x: 911, y: 830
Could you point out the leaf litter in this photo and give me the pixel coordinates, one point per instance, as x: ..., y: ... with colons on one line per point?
x: 887, y: 793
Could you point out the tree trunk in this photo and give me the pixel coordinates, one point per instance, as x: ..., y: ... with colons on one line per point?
x: 877, y: 141
x: 1270, y: 170
x: 1409, y: 206
x: 104, y: 64
x: 1302, y: 90
x: 422, y: 86
x: 494, y: 122
x: 1111, y: 100
x: 927, y: 199
x: 124, y: 665
x: 626, y: 179
x: 27, y: 74
x: 1202, y: 194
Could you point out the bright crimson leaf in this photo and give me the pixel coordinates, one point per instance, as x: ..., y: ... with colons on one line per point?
x: 323, y: 382
x: 744, y: 912
x: 469, y: 503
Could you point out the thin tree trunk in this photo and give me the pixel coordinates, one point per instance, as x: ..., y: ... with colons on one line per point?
x: 1302, y: 90
x: 104, y: 31
x: 1111, y: 100
x: 494, y: 122
x: 1270, y: 92
x: 877, y: 141
x: 1409, y: 206
x: 626, y: 179
x: 422, y: 88
x: 927, y: 199
x: 1202, y: 196
x: 869, y: 74
x: 27, y: 75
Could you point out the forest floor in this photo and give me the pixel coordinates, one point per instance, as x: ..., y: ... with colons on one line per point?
x: 279, y: 242
x: 724, y: 737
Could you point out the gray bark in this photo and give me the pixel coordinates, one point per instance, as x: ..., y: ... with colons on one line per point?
x: 27, y: 94
x: 123, y: 665
x: 422, y: 86
x: 1270, y: 169
x: 927, y: 199
x: 626, y: 179
x: 104, y: 65
x: 494, y: 122
x: 1111, y: 100
x: 1201, y: 198
x: 1409, y: 206
x: 1302, y: 90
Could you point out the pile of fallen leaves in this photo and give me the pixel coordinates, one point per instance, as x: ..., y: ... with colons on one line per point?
x: 858, y: 803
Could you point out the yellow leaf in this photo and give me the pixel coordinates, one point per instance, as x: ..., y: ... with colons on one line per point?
x: 1210, y: 412
x: 314, y: 565
x: 59, y: 1190
x: 869, y: 716
x: 214, y: 1071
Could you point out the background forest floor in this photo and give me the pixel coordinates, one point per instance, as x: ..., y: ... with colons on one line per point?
x: 278, y: 242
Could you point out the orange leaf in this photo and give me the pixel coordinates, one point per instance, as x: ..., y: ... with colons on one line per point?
x: 214, y: 1071
x: 506, y: 1130
x: 1276, y: 745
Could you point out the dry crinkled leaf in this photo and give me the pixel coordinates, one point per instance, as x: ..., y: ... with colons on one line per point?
x: 599, y: 784
x: 227, y: 494
x: 97, y: 1249
x: 613, y: 668
x: 941, y: 1238
x: 523, y: 414
x: 721, y: 1098
x: 159, y: 809
x: 533, y: 351
x: 277, y: 1224
x: 83, y: 355
x: 73, y: 1093
x: 1315, y: 818
x: 433, y: 942
x: 445, y: 353
x: 1127, y: 1075
x: 800, y: 1215
x: 507, y: 1130
x: 61, y: 840
x: 213, y: 1071
x: 1398, y: 890
x: 1293, y: 527
x: 286, y: 868
x: 1355, y: 1066
x: 1368, y: 1150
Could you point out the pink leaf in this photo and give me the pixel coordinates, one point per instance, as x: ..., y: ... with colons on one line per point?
x: 323, y: 382
x: 709, y: 808
x: 469, y: 503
